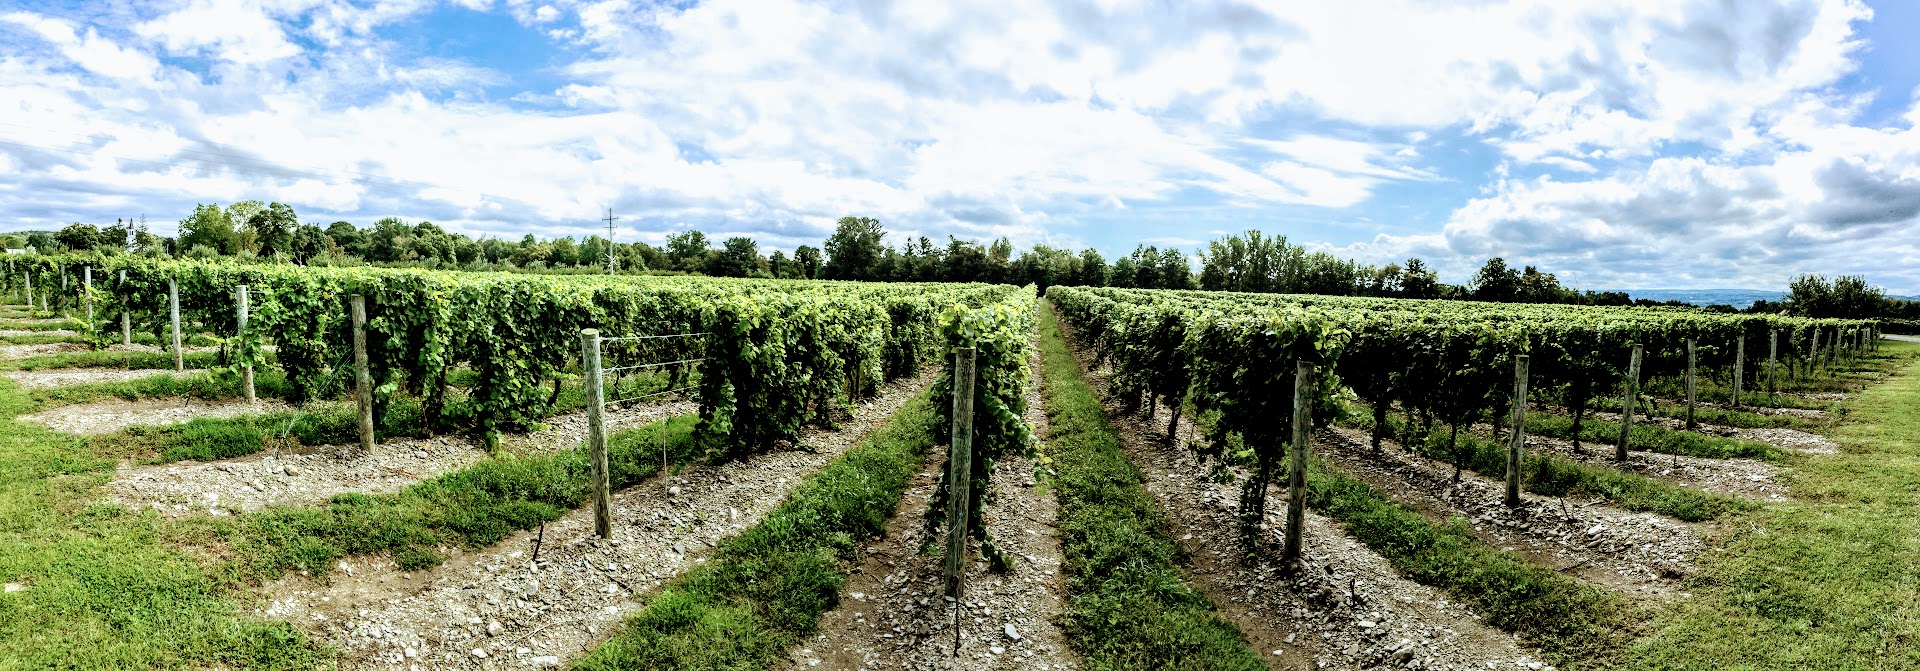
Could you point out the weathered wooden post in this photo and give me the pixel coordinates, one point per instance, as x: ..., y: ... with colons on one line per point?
x: 1773, y: 357
x: 1739, y: 366
x: 1691, y: 397
x: 29, y: 288
x: 1520, y: 365
x: 1627, y: 402
x: 362, y: 377
x: 959, y: 483
x: 173, y: 302
x: 126, y: 314
x: 246, y: 372
x: 597, y: 433
x: 86, y: 285
x: 1297, y: 469
x: 1813, y: 355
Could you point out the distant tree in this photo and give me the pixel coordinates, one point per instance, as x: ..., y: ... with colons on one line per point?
x: 999, y: 261
x: 854, y: 248
x: 808, y: 259
x: 1496, y: 282
x: 738, y: 257
x: 777, y: 265
x: 1093, y: 269
x: 271, y: 227
x: 688, y: 250
x: 562, y: 251
x: 1416, y: 281
x: 209, y: 227
x: 347, y: 238
x: 1174, y: 270
x: 307, y: 242
x: 80, y: 237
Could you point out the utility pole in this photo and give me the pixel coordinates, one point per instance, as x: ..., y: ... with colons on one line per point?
x: 610, y: 219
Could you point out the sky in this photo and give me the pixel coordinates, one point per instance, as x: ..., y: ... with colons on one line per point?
x: 1655, y: 144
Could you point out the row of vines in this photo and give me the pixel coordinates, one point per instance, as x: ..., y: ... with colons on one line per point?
x: 1452, y: 362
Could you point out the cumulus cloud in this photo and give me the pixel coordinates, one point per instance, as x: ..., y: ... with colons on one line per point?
x: 1704, y: 135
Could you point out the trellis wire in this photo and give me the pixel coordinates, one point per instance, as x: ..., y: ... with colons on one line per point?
x: 657, y: 393
x: 654, y: 337
x: 651, y: 365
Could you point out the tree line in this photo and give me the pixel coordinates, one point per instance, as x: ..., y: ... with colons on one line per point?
x: 859, y: 250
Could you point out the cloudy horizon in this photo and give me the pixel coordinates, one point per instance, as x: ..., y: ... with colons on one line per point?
x: 1619, y: 145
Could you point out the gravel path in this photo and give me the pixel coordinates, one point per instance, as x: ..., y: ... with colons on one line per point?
x: 892, y: 613
x: 64, y: 333
x: 1744, y: 478
x: 1903, y: 338
x: 49, y: 378
x: 1349, y: 610
x: 496, y: 608
x: 312, y: 476
x: 116, y: 414
x: 1793, y: 440
x: 24, y: 351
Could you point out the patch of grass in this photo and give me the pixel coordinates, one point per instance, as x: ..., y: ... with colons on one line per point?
x: 1715, y: 416
x: 267, y: 384
x: 1131, y: 608
x: 1577, y: 625
x: 102, y: 590
x: 1648, y: 437
x: 110, y: 359
x: 764, y: 589
x: 473, y: 507
x: 1827, y: 580
x: 42, y: 325
x: 1551, y: 475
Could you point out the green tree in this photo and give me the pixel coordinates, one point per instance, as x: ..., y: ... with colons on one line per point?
x: 80, y: 237
x: 271, y: 227
x: 738, y: 257
x: 688, y: 250
x: 808, y: 259
x: 854, y: 248
x: 1417, y: 281
x: 210, y: 227
x: 1496, y: 282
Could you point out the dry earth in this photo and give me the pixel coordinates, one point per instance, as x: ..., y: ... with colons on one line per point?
x: 49, y: 378
x: 115, y: 414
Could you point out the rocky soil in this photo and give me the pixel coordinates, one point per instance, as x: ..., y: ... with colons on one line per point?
x: 66, y: 377
x: 498, y: 608
x: 893, y: 613
x: 1786, y: 439
x: 312, y: 476
x: 112, y: 415
x: 1743, y: 478
x: 1348, y: 610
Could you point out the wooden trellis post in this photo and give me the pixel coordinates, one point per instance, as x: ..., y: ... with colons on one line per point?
x: 362, y: 377
x: 959, y: 483
x: 1519, y: 442
x: 1297, y: 470
x: 1739, y: 366
x: 246, y: 372
x: 126, y: 316
x: 1691, y: 397
x: 597, y: 432
x: 173, y: 302
x: 1628, y: 402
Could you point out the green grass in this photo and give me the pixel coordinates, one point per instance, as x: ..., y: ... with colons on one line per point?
x: 103, y: 588
x: 1551, y: 475
x: 764, y: 589
x: 473, y: 507
x: 42, y: 325
x: 1648, y: 437
x: 1716, y: 416
x: 110, y: 359
x: 1131, y: 608
x: 161, y: 384
x: 1828, y: 580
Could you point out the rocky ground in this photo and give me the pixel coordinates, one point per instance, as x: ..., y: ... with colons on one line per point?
x: 66, y: 377
x: 62, y: 333
x: 1349, y: 610
x: 115, y: 414
x: 498, y: 608
x: 317, y: 474
x: 893, y: 613
x: 24, y: 351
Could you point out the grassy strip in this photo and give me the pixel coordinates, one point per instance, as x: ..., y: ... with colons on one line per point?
x: 1826, y: 580
x: 100, y: 589
x: 1131, y: 609
x: 1551, y: 475
x: 1578, y: 625
x: 764, y: 589
x: 266, y: 383
x: 1741, y: 419
x: 42, y: 325
x: 1648, y: 437
x: 473, y: 507
x: 110, y: 359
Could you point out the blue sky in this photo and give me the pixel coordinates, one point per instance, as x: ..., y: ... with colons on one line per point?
x: 1618, y: 144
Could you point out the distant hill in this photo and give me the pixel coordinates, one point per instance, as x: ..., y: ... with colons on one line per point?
x: 1738, y: 298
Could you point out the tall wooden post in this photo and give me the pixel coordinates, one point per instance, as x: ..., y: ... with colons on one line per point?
x: 1691, y: 396
x: 1628, y: 402
x: 126, y: 316
x: 1739, y: 366
x: 1813, y: 355
x: 597, y: 433
x: 959, y: 483
x: 86, y: 285
x: 246, y: 372
x: 1520, y: 365
x: 1297, y: 469
x: 362, y: 376
x: 173, y: 303
x: 29, y: 288
x: 1773, y: 357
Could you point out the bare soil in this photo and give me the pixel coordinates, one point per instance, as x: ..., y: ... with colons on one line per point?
x: 50, y: 378
x: 115, y: 414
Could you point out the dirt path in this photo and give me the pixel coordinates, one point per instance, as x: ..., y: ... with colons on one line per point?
x: 309, y: 478
x: 1793, y: 440
x: 496, y: 608
x: 49, y: 378
x: 1634, y: 553
x: 116, y: 414
x: 1349, y: 610
x: 1743, y: 478
x: 892, y: 613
